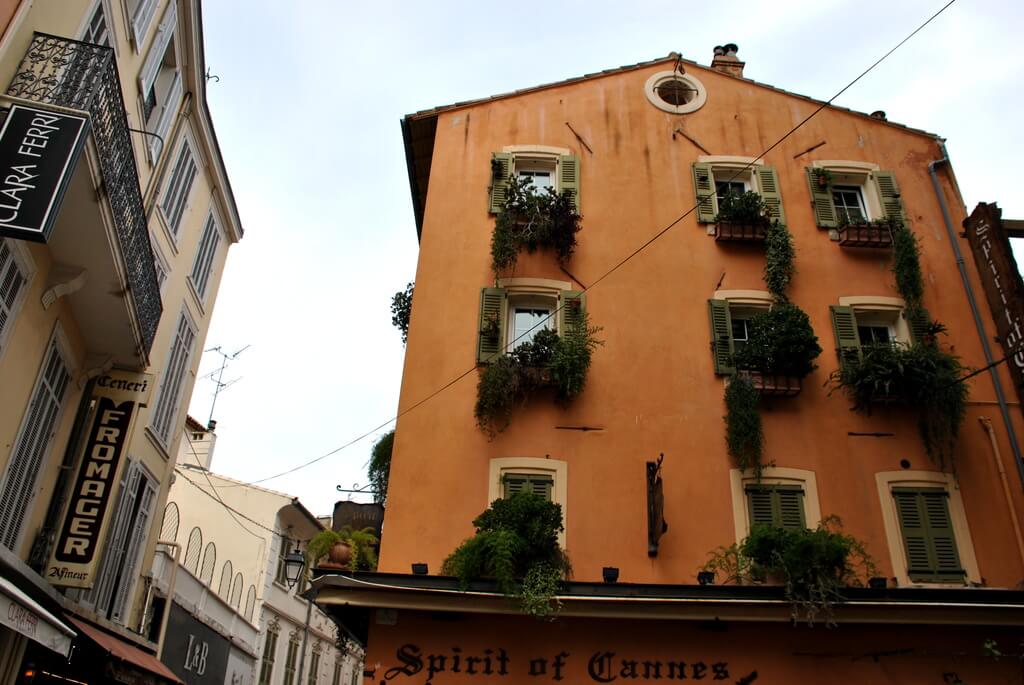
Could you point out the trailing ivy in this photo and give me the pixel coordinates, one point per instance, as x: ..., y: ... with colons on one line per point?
x: 815, y: 565
x: 532, y: 219
x: 780, y: 342
x: 516, y: 545
x: 401, y: 309
x: 380, y: 466
x: 778, y: 260
x: 906, y: 255
x: 744, y: 435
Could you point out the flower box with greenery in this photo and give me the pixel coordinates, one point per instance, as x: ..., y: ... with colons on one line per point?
x: 813, y: 564
x: 742, y: 218
x: 347, y: 548
x: 877, y: 233
x: 516, y: 545
x: 547, y: 361
x: 533, y: 219
x: 780, y: 350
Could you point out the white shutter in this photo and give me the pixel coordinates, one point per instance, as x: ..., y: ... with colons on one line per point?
x: 204, y: 257
x: 32, y: 444
x: 137, y: 535
x: 12, y: 282
x: 164, y: 33
x: 179, y: 187
x: 116, y: 542
x: 166, y: 411
x: 168, y: 107
x: 141, y: 18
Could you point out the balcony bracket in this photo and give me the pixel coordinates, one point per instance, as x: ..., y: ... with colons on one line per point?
x: 64, y: 279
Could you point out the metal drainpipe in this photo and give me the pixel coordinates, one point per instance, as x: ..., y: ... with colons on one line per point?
x: 975, y: 312
x: 305, y: 636
x: 997, y: 457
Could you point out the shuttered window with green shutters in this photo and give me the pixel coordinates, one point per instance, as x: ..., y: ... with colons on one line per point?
x: 491, y: 324
x: 501, y: 172
x: 844, y: 325
x: 503, y: 168
x: 889, y: 195
x: 883, y: 183
x: 569, y: 178
x: 821, y: 199
x: 570, y: 310
x: 781, y: 506
x: 538, y: 484
x: 928, y: 539
x: 704, y: 187
x: 721, y: 336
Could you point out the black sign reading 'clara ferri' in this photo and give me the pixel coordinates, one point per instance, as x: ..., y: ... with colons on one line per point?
x: 38, y: 152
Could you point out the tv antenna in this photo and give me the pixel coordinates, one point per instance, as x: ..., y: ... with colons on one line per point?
x: 219, y: 373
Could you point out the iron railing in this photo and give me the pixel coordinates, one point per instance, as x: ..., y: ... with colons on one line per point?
x: 70, y: 73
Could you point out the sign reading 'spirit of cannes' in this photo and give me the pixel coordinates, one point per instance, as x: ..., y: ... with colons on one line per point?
x: 118, y: 395
x: 1002, y: 283
x: 38, y: 151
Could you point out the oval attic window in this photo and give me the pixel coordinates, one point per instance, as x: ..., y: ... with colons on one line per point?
x: 673, y: 92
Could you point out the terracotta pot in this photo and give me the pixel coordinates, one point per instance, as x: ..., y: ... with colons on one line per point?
x: 340, y: 553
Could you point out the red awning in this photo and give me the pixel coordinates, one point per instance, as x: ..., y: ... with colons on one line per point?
x: 126, y: 652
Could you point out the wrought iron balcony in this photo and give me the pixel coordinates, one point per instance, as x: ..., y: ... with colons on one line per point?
x: 70, y: 73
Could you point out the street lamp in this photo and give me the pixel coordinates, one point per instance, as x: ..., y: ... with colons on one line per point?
x: 294, y: 564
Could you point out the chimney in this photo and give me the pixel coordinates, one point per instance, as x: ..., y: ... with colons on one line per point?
x: 726, y: 61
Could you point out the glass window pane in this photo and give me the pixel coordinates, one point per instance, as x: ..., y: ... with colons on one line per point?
x: 526, y: 321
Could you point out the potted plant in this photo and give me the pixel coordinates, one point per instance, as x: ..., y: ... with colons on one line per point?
x: 742, y: 217
x: 877, y: 233
x: 349, y: 548
x: 533, y: 219
x: 516, y: 545
x: 780, y: 350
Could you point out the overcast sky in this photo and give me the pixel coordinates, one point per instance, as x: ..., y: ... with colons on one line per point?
x: 307, y: 111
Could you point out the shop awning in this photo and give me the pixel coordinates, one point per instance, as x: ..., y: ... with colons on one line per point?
x: 24, y: 615
x: 126, y: 652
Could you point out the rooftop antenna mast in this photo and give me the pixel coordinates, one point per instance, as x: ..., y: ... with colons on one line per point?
x: 219, y: 373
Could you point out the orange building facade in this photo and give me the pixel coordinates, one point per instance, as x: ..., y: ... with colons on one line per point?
x: 637, y: 145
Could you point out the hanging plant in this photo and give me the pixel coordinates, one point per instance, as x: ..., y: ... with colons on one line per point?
x: 906, y: 255
x: 401, y: 310
x: 822, y: 177
x: 742, y: 208
x: 532, y: 219
x: 778, y: 260
x: 780, y: 342
x: 744, y: 435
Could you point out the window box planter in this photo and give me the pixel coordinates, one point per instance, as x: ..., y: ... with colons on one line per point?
x: 538, y: 376
x: 741, y: 232
x: 878, y: 235
x: 773, y: 385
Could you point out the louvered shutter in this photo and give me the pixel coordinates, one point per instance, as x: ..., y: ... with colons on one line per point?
x: 570, y: 310
x: 889, y: 195
x: 501, y: 173
x: 790, y: 506
x: 759, y: 506
x: 569, y: 178
x: 821, y: 199
x: 157, y: 49
x: 140, y: 19
x: 224, y: 587
x: 514, y: 483
x: 927, y: 531
x: 179, y: 187
x: 192, y: 550
x: 205, y: 254
x: 138, y: 533
x: 250, y: 603
x: 117, y: 540
x: 236, y: 590
x: 917, y: 322
x: 492, y: 309
x: 704, y: 192
x: 721, y: 336
x: 844, y: 325
x: 34, y: 437
x: 768, y: 185
x: 209, y: 562
x: 168, y: 107
x: 11, y: 283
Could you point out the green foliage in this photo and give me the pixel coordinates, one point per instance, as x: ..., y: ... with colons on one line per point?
x: 548, y: 360
x: 778, y: 263
x: 744, y: 436
x: 361, y: 541
x: 742, y: 208
x: 780, y: 342
x: 815, y: 564
x: 516, y: 540
x: 921, y: 376
x: 533, y: 219
x: 822, y: 177
x: 380, y: 465
x: 401, y: 309
x: 906, y: 255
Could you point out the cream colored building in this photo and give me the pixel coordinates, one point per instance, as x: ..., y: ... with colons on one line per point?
x: 125, y: 284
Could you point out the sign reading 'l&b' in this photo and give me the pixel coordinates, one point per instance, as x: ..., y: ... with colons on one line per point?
x: 38, y: 152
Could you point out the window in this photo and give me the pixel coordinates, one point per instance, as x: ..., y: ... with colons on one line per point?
x: 539, y: 484
x: 203, y: 264
x: 193, y: 550
x: 546, y: 477
x: 160, y: 82
x: 781, y: 506
x: 15, y: 272
x: 267, y: 660
x: 141, y: 13
x: 179, y: 186
x: 336, y: 678
x: 927, y: 532
x: 166, y: 409
x: 862, y: 321
x: 38, y: 427
x: 314, y: 668
x: 713, y: 177
x: 250, y: 603
x: 236, y: 590
x: 874, y: 334
x: 289, y: 662
x: 169, y: 527
x: 209, y: 562
x: 280, y: 577
x: 224, y: 587
x: 512, y: 316
x: 730, y: 313
x: 552, y: 168
x: 852, y: 192
x: 676, y: 93
x: 162, y: 268
x: 97, y: 31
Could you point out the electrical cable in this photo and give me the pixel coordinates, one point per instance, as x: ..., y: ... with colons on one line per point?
x: 619, y: 264
x: 230, y: 509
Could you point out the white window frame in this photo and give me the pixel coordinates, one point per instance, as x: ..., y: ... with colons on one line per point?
x: 881, y: 310
x: 20, y: 259
x: 108, y: 14
x: 556, y: 469
x: 151, y: 71
x: 182, y: 192
x: 724, y: 168
x: 186, y: 368
x: 771, y: 475
x: 540, y: 291
x: 538, y: 158
x: 140, y: 20
x: 530, y: 301
x: 205, y: 258
x: 852, y: 173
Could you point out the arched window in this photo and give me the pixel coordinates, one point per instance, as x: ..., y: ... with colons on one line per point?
x: 193, y: 550
x: 250, y: 603
x: 169, y: 528
x: 209, y: 561
x: 236, y: 590
x: 224, y: 589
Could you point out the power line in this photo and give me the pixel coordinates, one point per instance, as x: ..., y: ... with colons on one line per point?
x: 230, y: 509
x: 623, y: 261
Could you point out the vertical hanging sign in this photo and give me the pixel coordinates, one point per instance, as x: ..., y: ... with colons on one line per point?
x: 118, y: 396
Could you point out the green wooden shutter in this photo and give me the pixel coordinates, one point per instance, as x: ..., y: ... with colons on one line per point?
x: 721, y: 336
x: 917, y: 322
x: 704, y: 192
x: 821, y: 198
x: 781, y: 506
x: 759, y: 506
x: 768, y: 185
x: 844, y: 324
x: 569, y: 178
x: 514, y: 483
x: 492, y: 309
x: 570, y: 310
x: 501, y: 172
x: 889, y: 195
x: 927, y: 532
